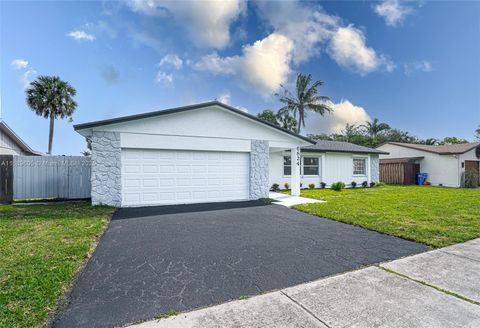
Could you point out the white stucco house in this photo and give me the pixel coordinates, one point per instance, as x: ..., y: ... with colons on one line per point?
x: 12, y: 144
x: 445, y: 165
x: 208, y: 152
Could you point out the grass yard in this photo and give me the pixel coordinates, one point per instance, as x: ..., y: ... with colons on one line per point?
x: 431, y: 215
x: 42, y: 247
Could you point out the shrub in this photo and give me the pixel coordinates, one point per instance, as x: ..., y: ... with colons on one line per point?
x: 365, y: 184
x: 353, y: 184
x: 372, y: 184
x: 380, y: 184
x: 311, y: 186
x: 287, y: 186
x: 323, y: 185
x: 275, y: 187
x: 338, y: 186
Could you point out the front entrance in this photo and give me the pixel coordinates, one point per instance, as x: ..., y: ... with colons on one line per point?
x: 472, y: 173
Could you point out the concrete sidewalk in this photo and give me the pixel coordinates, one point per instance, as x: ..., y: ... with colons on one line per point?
x: 440, y: 288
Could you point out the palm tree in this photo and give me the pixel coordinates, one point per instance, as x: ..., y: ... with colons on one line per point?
x: 306, y: 98
x: 349, y: 131
x: 50, y: 97
x: 431, y: 142
x: 375, y: 127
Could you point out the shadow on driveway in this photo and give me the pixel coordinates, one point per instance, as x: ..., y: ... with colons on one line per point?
x: 154, y: 259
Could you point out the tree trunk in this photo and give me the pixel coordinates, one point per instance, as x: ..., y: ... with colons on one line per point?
x: 50, y: 135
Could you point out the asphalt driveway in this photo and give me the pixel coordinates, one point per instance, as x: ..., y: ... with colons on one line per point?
x: 154, y: 259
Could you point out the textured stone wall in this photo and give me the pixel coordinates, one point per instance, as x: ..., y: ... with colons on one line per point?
x: 375, y: 167
x: 106, y: 169
x: 259, y: 159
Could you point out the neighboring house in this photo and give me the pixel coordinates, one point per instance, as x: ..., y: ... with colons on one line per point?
x: 206, y: 152
x: 445, y: 165
x: 11, y: 144
x: 328, y: 162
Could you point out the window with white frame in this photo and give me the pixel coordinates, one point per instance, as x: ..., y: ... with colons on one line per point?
x: 311, y: 166
x: 359, y: 166
x: 287, y: 165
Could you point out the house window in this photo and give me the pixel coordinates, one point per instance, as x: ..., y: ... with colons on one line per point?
x: 287, y: 165
x: 359, y: 166
x: 310, y: 166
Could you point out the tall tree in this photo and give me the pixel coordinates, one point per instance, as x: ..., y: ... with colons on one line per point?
x: 286, y: 120
x: 305, y: 99
x: 269, y: 116
x: 349, y: 131
x: 477, y: 133
x: 452, y: 141
x: 50, y: 97
x: 374, y: 128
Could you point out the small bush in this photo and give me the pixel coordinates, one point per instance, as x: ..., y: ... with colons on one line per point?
x: 287, y: 186
x: 380, y: 184
x: 365, y: 184
x: 311, y: 186
x: 275, y: 187
x: 338, y: 186
x: 323, y: 185
x: 353, y: 184
x: 372, y: 184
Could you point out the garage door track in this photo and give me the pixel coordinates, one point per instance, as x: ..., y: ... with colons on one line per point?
x: 152, y: 260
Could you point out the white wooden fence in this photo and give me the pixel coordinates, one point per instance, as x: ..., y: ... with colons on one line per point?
x: 66, y: 177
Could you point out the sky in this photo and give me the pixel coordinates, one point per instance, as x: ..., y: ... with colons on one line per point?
x: 413, y: 65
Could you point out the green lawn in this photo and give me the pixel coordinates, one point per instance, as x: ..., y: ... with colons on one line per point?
x: 42, y: 247
x: 431, y: 215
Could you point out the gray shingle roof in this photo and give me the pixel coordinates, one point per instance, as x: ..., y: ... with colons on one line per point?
x: 340, y: 146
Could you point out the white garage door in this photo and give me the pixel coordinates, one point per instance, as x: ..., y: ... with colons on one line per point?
x: 157, y: 177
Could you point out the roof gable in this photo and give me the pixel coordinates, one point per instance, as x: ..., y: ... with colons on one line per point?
x: 5, y: 129
x: 187, y: 109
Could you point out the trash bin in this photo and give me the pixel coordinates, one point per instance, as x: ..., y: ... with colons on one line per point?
x: 421, y: 178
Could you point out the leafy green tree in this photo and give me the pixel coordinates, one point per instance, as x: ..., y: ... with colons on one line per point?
x: 431, y: 142
x: 50, y: 97
x: 269, y: 116
x: 305, y: 99
x: 452, y: 141
x: 477, y: 133
x: 349, y: 131
x: 286, y: 120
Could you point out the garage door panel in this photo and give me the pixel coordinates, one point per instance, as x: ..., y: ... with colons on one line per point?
x: 156, y: 177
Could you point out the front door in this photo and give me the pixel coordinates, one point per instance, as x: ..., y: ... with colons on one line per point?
x: 472, y: 166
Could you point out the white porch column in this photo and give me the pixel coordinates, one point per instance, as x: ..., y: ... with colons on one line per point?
x: 369, y: 169
x: 295, y: 183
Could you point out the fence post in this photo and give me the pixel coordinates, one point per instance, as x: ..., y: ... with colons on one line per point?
x: 6, y: 179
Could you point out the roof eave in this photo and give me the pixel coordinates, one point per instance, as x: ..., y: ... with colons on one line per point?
x: 89, y: 125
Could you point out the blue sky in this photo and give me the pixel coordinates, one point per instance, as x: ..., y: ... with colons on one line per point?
x: 414, y: 65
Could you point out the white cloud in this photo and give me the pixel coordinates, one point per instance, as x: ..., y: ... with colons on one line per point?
x: 263, y: 65
x: 28, y: 77
x: 417, y: 66
x: 348, y: 48
x: 81, y: 36
x: 392, y: 11
x: 224, y: 97
x: 307, y: 26
x: 164, y: 78
x: 171, y: 60
x: 343, y: 112
x: 19, y: 63
x: 208, y: 22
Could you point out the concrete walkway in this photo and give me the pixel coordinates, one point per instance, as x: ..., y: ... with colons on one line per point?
x: 289, y: 200
x: 440, y: 288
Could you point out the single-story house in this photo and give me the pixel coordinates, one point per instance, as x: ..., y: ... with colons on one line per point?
x: 209, y: 152
x: 12, y: 144
x: 445, y: 164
